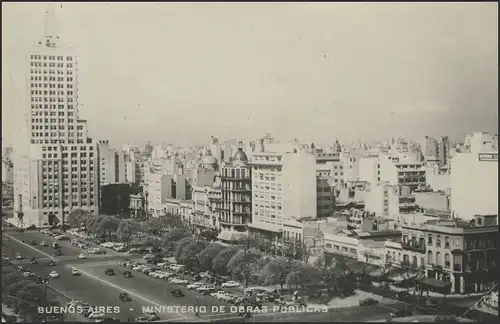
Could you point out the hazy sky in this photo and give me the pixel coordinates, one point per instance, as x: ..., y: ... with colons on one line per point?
x: 315, y: 71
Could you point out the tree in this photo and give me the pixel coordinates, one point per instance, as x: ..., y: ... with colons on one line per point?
x: 78, y: 217
x: 409, y: 273
x: 241, y: 264
x: 247, y: 242
x: 180, y: 246
x: 222, y: 259
x: 175, y: 235
x: 207, y: 256
x: 190, y: 252
x: 303, y: 274
x: 107, y: 226
x: 276, y: 271
x: 126, y: 229
x: 93, y: 223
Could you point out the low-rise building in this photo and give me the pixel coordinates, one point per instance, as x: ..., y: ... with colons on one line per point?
x: 461, y: 255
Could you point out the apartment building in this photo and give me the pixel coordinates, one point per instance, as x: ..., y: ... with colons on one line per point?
x: 460, y: 254
x: 325, y: 196
x: 205, y: 208
x: 404, y: 169
x: 284, y: 192
x: 236, y: 186
x: 474, y: 178
x: 389, y: 200
x: 160, y: 187
x: 55, y: 165
x: 112, y: 164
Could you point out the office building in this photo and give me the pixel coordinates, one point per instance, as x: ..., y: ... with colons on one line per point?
x: 55, y: 165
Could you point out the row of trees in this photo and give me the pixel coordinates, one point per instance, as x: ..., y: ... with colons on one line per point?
x: 24, y: 295
x: 247, y: 263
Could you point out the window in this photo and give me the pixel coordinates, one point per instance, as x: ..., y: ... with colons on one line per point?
x: 438, y: 258
x: 447, y: 260
x: 429, y: 257
x: 479, y: 221
x: 438, y: 241
x: 447, y: 242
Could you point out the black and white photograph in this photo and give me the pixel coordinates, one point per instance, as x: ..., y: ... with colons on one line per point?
x: 249, y: 162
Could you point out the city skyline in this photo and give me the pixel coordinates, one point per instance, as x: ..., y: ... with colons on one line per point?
x: 437, y: 78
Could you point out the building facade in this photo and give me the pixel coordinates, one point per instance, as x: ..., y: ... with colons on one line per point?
x: 460, y: 254
x: 236, y: 186
x: 284, y: 192
x: 55, y: 163
x: 474, y: 183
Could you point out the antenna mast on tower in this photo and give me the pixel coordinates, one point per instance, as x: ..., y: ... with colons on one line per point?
x: 49, y: 26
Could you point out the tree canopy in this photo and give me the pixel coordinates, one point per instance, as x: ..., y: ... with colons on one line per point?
x: 207, y: 256
x: 276, y: 271
x: 78, y: 217
x: 241, y: 264
x: 222, y: 259
x: 190, y: 252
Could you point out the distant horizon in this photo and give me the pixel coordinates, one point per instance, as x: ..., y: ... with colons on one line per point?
x: 179, y: 73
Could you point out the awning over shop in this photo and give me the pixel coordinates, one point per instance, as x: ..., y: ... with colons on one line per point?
x: 230, y: 236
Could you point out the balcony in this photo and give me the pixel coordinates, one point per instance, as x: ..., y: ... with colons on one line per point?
x: 447, y: 245
x: 456, y: 252
x: 457, y: 267
x: 416, y: 247
x: 447, y: 264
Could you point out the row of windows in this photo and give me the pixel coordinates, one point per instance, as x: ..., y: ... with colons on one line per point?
x: 55, y: 134
x: 47, y: 106
x: 53, y: 92
x: 59, y: 65
x: 57, y: 141
x: 267, y: 168
x: 46, y: 120
x: 65, y: 148
x: 50, y: 57
x: 39, y: 78
x: 44, y: 71
x: 45, y: 99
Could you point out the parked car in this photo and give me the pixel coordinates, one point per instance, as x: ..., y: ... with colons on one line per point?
x: 230, y: 284
x: 75, y: 272
x: 177, y: 281
x: 43, y: 243
x: 133, y: 250
x: 217, y: 293
x: 195, y: 285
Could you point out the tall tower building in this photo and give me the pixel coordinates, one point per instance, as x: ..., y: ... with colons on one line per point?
x: 54, y: 161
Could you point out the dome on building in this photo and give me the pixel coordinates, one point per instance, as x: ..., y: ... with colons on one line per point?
x: 208, y: 159
x: 240, y: 156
